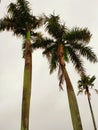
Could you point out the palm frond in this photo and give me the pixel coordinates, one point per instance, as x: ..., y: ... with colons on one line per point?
x: 19, y: 32
x: 23, y: 5
x: 85, y: 51
x: 20, y: 12
x: 53, y: 62
x: 50, y: 49
x: 75, y: 58
x: 78, y: 34
x: 53, y: 26
x: 79, y: 84
x: 6, y: 24
x: 89, y: 54
x: 66, y: 58
x: 41, y: 42
x: 40, y: 21
x: 92, y: 79
x: 12, y: 9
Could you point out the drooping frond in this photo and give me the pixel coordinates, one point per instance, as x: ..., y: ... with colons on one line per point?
x: 50, y: 49
x: 75, y: 58
x: 41, y: 42
x: 91, y: 80
x: 53, y: 60
x: 19, y: 32
x: 78, y: 34
x: 51, y: 53
x: 6, y: 24
x: 66, y: 58
x: 79, y: 83
x: 85, y: 51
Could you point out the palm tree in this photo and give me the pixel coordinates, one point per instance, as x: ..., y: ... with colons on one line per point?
x: 61, y: 46
x: 83, y: 85
x: 22, y: 23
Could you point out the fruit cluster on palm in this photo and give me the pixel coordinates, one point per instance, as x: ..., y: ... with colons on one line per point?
x: 63, y: 45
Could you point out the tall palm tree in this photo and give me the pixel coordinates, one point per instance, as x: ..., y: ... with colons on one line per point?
x: 83, y: 85
x: 22, y: 23
x: 61, y: 46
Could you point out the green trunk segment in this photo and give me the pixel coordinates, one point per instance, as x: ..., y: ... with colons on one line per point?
x: 75, y: 115
x: 95, y: 128
x: 28, y: 36
x: 26, y: 90
x: 22, y: 127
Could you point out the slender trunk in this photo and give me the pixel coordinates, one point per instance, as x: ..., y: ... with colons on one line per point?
x: 26, y: 85
x: 75, y: 115
x: 91, y: 110
x: 74, y: 110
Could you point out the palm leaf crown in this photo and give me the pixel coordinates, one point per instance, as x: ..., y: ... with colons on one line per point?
x: 75, y: 42
x: 19, y: 19
x: 85, y: 83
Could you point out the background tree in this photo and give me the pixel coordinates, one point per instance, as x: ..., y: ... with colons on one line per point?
x: 83, y: 85
x: 61, y: 46
x: 22, y: 23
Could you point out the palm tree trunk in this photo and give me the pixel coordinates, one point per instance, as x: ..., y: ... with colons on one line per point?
x: 26, y: 86
x: 92, y: 114
x: 75, y: 115
x: 74, y: 110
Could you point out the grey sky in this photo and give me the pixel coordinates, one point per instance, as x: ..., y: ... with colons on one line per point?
x: 49, y: 106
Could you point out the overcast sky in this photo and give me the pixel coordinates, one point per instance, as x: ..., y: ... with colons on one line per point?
x: 49, y: 106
